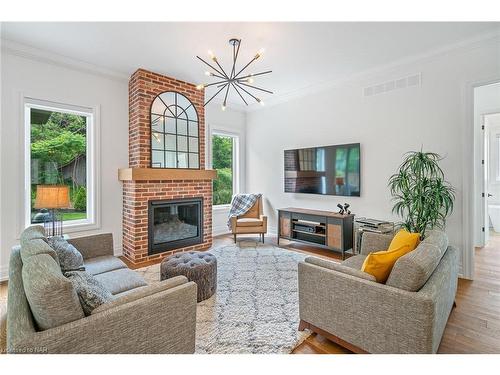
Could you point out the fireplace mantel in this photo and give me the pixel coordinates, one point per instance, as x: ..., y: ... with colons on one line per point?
x: 163, y: 174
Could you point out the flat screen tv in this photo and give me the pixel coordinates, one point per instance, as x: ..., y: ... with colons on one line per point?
x: 327, y: 170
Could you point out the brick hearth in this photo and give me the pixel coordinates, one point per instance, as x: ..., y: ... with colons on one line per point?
x: 144, y: 86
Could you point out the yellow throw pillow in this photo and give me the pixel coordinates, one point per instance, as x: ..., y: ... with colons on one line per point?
x: 380, y: 263
x: 403, y: 237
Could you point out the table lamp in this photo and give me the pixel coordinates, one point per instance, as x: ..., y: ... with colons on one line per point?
x: 52, y: 197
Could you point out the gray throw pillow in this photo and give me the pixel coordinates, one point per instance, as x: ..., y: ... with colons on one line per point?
x: 91, y: 292
x: 70, y: 259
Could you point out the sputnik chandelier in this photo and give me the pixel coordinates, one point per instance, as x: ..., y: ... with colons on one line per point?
x: 235, y: 79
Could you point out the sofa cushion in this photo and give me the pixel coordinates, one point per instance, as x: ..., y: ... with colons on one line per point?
x: 438, y: 238
x: 103, y: 264
x: 91, y: 292
x: 34, y: 232
x: 339, y: 268
x: 34, y: 242
x: 70, y: 259
x: 141, y: 292
x: 120, y: 280
x: 374, y: 242
x: 412, y: 270
x: 52, y: 298
x: 248, y: 222
x: 404, y: 238
x: 94, y: 246
x: 355, y: 261
x: 380, y: 263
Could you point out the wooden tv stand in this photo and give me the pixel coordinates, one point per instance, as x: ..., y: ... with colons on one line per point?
x: 324, y: 229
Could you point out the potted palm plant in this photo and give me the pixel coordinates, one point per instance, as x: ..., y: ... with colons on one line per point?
x: 421, y: 195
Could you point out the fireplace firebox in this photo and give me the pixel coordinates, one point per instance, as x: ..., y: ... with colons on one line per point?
x: 174, y: 223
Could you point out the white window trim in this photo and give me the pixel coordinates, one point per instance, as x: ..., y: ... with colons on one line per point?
x: 496, y: 157
x: 92, y: 156
x: 236, y: 162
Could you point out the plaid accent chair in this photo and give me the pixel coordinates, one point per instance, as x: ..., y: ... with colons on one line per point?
x: 251, y: 222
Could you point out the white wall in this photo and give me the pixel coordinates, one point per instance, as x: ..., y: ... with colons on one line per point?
x: 41, y: 80
x: 231, y: 122
x: 62, y: 83
x: 387, y: 125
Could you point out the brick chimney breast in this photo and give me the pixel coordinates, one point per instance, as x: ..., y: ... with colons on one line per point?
x: 144, y: 87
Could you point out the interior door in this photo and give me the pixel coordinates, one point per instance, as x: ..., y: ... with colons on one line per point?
x: 485, y: 194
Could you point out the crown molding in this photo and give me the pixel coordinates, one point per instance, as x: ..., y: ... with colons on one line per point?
x: 36, y: 54
x: 463, y: 45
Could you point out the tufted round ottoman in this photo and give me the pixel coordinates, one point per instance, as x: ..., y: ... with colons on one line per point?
x: 198, y: 267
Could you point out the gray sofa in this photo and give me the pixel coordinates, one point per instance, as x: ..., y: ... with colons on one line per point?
x: 141, y: 318
x: 408, y: 314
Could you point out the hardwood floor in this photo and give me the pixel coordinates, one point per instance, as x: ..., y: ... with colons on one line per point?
x: 3, y: 291
x: 473, y: 326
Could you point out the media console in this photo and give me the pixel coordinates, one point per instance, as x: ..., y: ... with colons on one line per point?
x: 325, y: 229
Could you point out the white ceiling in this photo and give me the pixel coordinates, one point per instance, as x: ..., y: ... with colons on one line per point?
x: 300, y: 54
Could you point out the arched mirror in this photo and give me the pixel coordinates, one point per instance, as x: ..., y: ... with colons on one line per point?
x: 174, y: 132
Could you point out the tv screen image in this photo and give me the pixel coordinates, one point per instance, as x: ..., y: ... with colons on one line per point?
x: 327, y: 170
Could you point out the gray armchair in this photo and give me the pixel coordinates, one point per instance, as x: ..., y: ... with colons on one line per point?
x: 408, y: 314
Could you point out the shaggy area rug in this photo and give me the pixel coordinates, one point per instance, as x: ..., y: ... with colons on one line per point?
x: 255, y: 308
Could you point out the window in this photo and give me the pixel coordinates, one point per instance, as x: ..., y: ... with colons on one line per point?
x: 224, y: 160
x: 174, y: 132
x: 59, y: 152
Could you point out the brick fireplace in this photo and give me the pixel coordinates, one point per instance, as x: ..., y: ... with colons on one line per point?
x: 143, y: 185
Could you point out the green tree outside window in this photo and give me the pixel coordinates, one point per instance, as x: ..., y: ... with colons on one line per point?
x: 58, y: 156
x: 222, y: 161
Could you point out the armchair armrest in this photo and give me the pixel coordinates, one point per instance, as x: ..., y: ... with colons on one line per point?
x: 264, y: 221
x: 374, y: 317
x: 371, y: 242
x: 339, y: 268
x: 94, y: 245
x: 163, y: 322
x: 233, y: 221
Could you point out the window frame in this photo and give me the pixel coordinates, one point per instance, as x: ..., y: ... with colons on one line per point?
x: 176, y: 117
x: 92, y: 114
x: 236, y: 162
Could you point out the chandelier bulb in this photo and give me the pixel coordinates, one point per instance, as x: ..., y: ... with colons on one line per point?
x: 259, y: 53
x: 200, y: 87
x: 223, y: 107
x: 260, y: 101
x: 207, y: 73
x: 250, y: 80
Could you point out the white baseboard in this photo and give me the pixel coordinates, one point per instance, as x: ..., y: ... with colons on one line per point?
x: 220, y: 230
x: 118, y: 250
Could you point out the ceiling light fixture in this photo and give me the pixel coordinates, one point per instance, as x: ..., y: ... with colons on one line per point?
x: 235, y: 79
